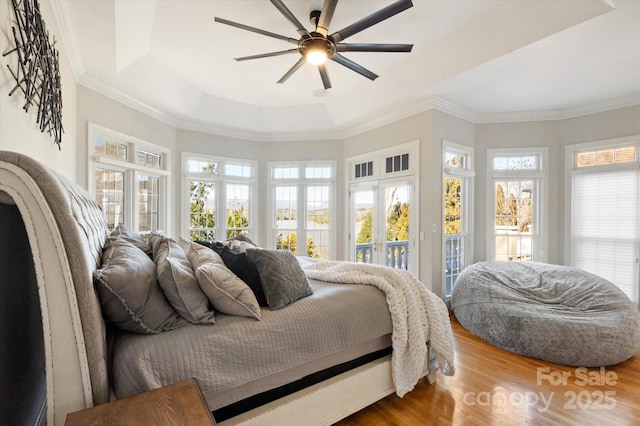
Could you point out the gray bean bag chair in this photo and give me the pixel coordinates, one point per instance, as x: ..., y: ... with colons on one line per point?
x: 556, y: 313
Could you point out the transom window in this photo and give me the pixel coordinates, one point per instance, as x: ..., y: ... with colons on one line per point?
x: 128, y: 177
x: 516, y: 162
x: 603, y: 157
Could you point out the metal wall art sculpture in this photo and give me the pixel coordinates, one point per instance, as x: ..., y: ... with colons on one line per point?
x: 37, y: 73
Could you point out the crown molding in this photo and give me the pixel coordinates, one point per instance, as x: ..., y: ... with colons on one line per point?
x: 109, y: 91
x: 238, y: 133
x: 346, y: 131
x: 518, y: 116
x: 430, y: 103
x: 604, y: 105
x: 610, y: 104
x: 67, y: 37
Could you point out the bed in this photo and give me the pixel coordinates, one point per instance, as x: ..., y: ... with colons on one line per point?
x: 336, y: 350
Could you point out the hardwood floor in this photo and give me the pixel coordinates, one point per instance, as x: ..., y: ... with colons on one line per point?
x: 495, y: 387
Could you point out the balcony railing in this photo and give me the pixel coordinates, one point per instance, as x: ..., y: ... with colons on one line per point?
x: 452, y: 260
x: 397, y: 253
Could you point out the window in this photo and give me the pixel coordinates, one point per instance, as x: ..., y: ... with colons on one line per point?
x: 302, y: 209
x: 604, y: 235
x: 458, y: 181
x: 217, y: 188
x: 517, y: 205
x: 131, y: 189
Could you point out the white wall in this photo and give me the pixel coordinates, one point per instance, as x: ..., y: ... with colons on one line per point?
x: 601, y: 126
x: 18, y: 130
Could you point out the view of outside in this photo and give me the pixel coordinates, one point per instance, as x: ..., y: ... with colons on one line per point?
x: 109, y: 187
x: 453, y: 232
x: 202, y: 211
x: 363, y: 201
x: 396, y: 229
x: 237, y: 209
x: 514, y: 219
x: 316, y: 226
x: 148, y: 203
x: 202, y: 208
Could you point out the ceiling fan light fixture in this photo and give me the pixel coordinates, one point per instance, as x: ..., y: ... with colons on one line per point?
x: 315, y: 50
x: 316, y: 56
x: 315, y: 47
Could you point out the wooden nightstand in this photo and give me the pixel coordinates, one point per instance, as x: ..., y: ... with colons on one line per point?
x: 178, y: 404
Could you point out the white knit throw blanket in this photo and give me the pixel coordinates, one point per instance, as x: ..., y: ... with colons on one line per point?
x: 417, y: 315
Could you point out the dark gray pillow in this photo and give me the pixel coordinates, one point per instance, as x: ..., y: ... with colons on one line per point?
x: 282, y: 278
x: 129, y: 293
x: 179, y: 284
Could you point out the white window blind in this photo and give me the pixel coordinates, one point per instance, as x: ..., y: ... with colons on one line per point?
x: 604, y: 226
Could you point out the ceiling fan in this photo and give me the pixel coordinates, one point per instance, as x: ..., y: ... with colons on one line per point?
x: 318, y: 46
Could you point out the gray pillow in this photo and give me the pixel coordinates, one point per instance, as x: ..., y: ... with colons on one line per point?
x: 178, y: 282
x: 134, y: 238
x: 129, y: 293
x: 243, y: 238
x: 283, y: 280
x: 226, y: 292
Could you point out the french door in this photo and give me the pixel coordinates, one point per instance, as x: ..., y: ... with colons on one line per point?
x: 380, y: 223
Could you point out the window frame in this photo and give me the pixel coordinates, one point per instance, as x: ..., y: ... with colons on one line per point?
x: 301, y: 182
x: 467, y: 175
x: 571, y: 152
x: 221, y: 180
x: 132, y: 169
x: 540, y: 197
x: 376, y: 163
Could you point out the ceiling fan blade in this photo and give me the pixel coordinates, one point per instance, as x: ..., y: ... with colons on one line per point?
x: 353, y: 66
x: 373, y: 47
x: 293, y: 69
x: 374, y: 18
x: 290, y: 16
x: 328, y: 7
x: 267, y: 55
x: 324, y: 75
x: 255, y: 30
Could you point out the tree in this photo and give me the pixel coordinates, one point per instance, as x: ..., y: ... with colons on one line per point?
x: 501, y: 206
x: 365, y: 236
x: 402, y: 223
x: 452, y: 207
x: 236, y: 218
x: 311, y: 248
x: 201, y: 216
x: 290, y: 242
x: 398, y: 222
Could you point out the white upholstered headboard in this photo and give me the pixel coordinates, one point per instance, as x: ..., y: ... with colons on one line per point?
x: 65, y: 230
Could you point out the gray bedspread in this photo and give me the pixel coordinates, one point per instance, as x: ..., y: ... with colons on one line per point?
x: 237, y: 350
x: 556, y: 313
